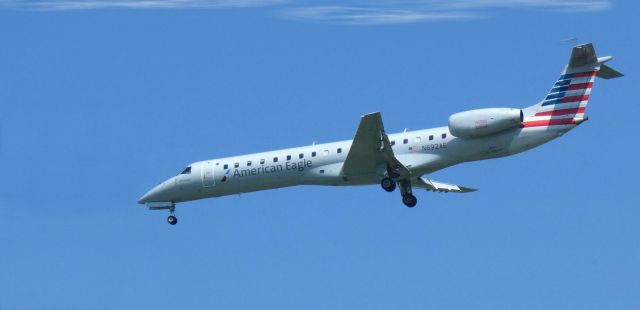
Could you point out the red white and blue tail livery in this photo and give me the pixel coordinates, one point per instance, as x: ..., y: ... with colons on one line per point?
x: 567, y: 101
x: 401, y: 160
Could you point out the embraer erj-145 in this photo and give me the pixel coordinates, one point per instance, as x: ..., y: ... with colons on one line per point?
x: 401, y: 159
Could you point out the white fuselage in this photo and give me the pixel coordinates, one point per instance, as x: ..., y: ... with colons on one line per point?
x: 424, y: 151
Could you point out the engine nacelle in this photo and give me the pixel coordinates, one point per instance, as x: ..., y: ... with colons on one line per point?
x: 484, y: 122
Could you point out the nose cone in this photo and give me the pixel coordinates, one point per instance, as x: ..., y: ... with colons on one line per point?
x: 145, y: 198
x: 154, y: 195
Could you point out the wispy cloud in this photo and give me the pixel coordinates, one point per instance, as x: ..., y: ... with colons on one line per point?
x: 349, y: 12
x: 142, y: 4
x: 387, y: 12
x: 567, y: 5
x: 370, y: 15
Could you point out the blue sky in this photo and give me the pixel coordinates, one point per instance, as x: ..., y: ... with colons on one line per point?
x: 101, y: 100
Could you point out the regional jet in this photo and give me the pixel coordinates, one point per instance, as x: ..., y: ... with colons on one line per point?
x: 401, y: 159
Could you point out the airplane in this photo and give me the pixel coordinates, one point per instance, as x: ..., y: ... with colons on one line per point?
x: 397, y: 160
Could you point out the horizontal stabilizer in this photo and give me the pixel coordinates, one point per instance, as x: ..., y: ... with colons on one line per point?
x: 607, y: 72
x: 436, y: 186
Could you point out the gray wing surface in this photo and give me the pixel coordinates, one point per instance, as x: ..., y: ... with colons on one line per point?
x: 371, y: 151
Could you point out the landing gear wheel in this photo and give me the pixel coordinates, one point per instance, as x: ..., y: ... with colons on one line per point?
x: 172, y: 220
x: 388, y: 184
x: 409, y: 200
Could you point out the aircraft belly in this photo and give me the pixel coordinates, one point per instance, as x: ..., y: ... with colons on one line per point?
x: 421, y: 163
x: 529, y: 138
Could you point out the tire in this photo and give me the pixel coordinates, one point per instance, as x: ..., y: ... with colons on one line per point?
x: 172, y: 220
x: 409, y: 200
x: 388, y: 184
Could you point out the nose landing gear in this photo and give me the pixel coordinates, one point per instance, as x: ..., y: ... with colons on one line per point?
x: 172, y: 219
x: 165, y: 205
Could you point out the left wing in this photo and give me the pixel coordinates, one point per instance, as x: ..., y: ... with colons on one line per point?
x: 436, y: 186
x: 371, y: 150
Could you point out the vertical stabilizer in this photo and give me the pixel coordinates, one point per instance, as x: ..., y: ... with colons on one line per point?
x: 566, y: 102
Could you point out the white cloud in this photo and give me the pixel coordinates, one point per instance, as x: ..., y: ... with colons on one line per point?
x: 143, y: 4
x: 406, y: 11
x: 564, y: 5
x: 368, y: 16
x: 350, y: 12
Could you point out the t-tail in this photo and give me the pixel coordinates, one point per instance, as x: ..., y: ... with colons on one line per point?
x: 567, y: 101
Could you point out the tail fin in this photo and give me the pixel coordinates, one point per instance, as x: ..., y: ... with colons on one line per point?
x: 567, y: 100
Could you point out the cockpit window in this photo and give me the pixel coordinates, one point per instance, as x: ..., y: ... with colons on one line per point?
x: 186, y: 170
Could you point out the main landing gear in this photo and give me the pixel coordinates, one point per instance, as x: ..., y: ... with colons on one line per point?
x: 172, y: 219
x: 408, y: 198
x: 388, y: 184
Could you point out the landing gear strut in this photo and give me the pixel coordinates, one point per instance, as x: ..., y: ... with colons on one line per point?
x: 407, y: 196
x: 388, y: 184
x: 172, y: 219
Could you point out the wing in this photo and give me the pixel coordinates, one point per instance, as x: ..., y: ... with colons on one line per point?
x: 436, y: 186
x: 371, y: 151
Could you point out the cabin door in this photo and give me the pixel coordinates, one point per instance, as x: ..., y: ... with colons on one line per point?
x: 208, y: 178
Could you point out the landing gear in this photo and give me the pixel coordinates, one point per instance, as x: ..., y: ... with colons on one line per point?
x: 388, y: 184
x: 407, y: 196
x: 172, y: 219
x: 409, y: 200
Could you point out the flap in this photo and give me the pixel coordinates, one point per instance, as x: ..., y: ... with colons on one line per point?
x: 436, y: 186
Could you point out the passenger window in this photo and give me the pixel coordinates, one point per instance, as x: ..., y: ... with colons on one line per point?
x: 275, y: 159
x: 325, y: 152
x: 339, y: 150
x: 186, y: 170
x: 236, y: 165
x: 417, y: 139
x: 431, y: 137
x: 262, y: 161
x: 313, y: 154
x: 248, y: 163
x: 393, y: 142
x: 226, y: 166
x: 288, y: 157
x: 444, y: 136
x: 405, y: 141
x: 300, y: 155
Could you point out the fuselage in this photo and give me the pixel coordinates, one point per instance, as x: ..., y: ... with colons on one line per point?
x: 421, y: 151
x: 398, y: 160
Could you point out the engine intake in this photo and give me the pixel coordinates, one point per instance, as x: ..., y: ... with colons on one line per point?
x: 484, y: 122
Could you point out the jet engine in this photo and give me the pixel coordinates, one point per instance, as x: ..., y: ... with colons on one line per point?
x: 484, y: 122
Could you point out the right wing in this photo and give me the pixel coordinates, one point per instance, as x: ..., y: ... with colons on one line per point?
x: 371, y: 150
